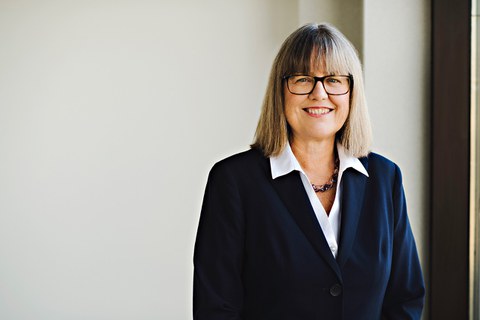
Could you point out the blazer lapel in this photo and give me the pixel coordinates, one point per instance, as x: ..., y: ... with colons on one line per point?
x: 353, y: 190
x: 293, y: 195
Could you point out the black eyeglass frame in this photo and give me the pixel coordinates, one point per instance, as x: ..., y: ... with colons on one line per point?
x: 321, y: 79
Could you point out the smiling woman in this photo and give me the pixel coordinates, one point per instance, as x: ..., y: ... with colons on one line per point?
x: 308, y: 224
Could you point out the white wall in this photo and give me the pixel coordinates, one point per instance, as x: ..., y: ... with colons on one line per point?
x: 112, y: 113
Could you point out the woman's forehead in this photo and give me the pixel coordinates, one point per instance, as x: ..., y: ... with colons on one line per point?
x: 319, y: 64
x: 328, y: 62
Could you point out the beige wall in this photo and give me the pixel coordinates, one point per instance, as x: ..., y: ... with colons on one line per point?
x: 112, y: 113
x: 397, y: 73
x: 347, y: 16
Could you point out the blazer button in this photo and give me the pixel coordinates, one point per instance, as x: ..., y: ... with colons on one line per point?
x: 336, y: 290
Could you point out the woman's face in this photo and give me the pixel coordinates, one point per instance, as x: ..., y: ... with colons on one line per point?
x: 316, y: 116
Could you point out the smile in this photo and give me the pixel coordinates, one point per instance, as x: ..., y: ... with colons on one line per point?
x: 318, y: 111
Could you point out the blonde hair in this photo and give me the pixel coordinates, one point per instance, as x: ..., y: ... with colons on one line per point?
x: 323, y: 45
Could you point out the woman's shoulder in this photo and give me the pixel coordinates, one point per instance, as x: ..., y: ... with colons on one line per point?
x: 377, y: 159
x: 251, y: 155
x: 242, y: 162
x: 379, y: 165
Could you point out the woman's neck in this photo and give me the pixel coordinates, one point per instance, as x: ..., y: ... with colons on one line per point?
x: 315, y: 156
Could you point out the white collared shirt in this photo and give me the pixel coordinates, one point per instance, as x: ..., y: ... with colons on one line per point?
x: 330, y: 224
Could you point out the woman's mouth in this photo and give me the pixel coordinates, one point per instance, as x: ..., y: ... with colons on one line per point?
x: 318, y: 111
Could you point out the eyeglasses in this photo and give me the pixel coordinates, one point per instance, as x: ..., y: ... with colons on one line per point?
x: 333, y: 85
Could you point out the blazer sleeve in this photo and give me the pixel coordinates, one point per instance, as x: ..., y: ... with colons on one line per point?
x: 405, y: 293
x: 219, y: 246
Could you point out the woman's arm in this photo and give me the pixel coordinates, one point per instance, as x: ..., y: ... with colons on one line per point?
x: 405, y: 293
x: 218, y: 257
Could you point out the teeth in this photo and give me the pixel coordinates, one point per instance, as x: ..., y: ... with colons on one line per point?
x: 318, y: 111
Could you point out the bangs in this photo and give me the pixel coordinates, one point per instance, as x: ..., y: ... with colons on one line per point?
x: 318, y: 49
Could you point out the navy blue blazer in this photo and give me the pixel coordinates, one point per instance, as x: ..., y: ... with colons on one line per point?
x: 260, y: 253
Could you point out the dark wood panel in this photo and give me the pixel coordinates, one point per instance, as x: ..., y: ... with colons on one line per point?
x: 450, y: 159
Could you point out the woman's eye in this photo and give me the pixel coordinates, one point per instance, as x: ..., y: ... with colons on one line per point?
x: 300, y: 80
x: 333, y: 80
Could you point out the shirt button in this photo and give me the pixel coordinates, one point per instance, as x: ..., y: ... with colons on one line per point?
x: 336, y: 290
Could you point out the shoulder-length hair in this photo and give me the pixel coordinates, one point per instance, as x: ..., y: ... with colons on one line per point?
x: 314, y: 44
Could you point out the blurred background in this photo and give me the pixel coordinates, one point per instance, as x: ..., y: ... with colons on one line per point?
x: 113, y: 112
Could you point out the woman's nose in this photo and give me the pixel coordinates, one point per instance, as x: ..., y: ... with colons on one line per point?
x: 319, y: 92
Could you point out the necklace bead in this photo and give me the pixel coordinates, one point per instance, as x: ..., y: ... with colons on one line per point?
x: 329, y: 185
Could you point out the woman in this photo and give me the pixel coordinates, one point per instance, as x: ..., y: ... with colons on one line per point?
x: 308, y: 224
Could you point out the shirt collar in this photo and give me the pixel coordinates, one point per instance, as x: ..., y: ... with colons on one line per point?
x: 286, y: 162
